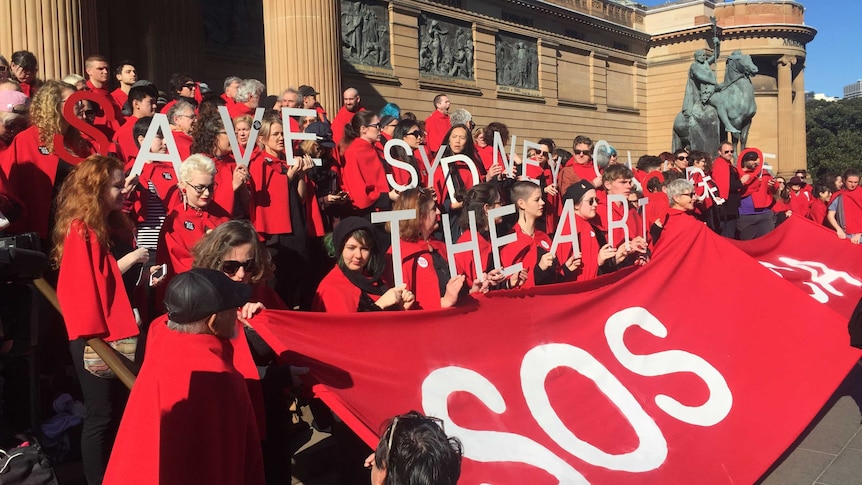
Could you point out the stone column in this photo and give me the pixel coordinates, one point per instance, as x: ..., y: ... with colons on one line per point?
x: 785, y: 112
x: 303, y: 46
x: 50, y: 29
x: 800, y: 148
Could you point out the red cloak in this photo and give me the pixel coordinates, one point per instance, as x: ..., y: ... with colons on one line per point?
x: 90, y: 289
x: 189, y: 417
x: 364, y: 174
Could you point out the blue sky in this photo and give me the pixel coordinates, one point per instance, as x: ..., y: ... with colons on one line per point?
x: 834, y: 57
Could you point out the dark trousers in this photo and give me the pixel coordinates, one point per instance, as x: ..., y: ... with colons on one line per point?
x: 755, y: 225
x: 727, y: 226
x: 104, y: 400
x: 290, y: 255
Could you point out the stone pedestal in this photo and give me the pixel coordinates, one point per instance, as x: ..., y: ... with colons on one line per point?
x: 303, y: 47
x: 52, y: 30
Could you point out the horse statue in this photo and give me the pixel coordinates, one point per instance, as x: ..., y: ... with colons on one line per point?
x: 734, y: 105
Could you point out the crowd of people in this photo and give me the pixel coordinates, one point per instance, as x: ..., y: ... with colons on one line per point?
x: 300, y: 235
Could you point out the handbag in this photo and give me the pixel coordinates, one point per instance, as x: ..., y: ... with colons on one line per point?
x: 96, y: 366
x: 26, y: 464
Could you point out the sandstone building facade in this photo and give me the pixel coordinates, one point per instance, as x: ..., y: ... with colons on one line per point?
x: 610, y: 70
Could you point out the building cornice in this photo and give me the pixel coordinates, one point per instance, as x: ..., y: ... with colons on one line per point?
x: 801, y: 33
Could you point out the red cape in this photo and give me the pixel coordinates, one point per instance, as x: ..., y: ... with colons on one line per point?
x: 525, y: 251
x: 189, y: 417
x: 90, y: 289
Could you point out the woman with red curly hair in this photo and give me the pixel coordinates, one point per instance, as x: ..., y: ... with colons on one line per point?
x: 90, y: 222
x: 31, y: 163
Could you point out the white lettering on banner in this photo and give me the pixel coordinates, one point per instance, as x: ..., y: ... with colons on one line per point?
x: 489, y: 446
x: 822, y: 277
x: 538, y: 362
x: 720, y: 401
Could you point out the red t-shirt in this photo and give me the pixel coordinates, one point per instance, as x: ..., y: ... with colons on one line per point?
x: 436, y: 127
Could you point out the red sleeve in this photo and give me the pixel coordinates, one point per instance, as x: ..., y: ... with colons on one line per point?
x: 90, y: 289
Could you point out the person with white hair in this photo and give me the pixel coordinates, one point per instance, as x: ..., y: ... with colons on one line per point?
x: 247, y: 98
x: 187, y: 223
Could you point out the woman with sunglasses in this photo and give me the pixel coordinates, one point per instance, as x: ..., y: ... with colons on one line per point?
x: 597, y: 256
x: 354, y: 284
x: 408, y: 130
x: 210, y: 139
x: 186, y: 224
x: 680, y: 160
x: 23, y: 69
x: 31, y: 163
x: 285, y: 212
x: 364, y: 173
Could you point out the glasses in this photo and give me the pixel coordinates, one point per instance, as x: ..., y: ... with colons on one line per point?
x: 189, y: 85
x: 191, y: 116
x: 681, y: 157
x: 415, y: 133
x: 541, y: 153
x: 592, y: 200
x: 373, y: 125
x: 231, y: 266
x: 727, y: 151
x: 690, y: 194
x: 200, y: 188
x: 581, y: 152
x: 412, y: 416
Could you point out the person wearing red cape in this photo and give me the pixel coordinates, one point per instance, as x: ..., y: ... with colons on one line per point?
x: 189, y: 418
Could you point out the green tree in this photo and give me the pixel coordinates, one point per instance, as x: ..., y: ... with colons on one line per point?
x: 834, y: 135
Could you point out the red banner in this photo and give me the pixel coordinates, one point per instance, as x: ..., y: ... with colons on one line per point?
x: 693, y: 368
x: 813, y: 258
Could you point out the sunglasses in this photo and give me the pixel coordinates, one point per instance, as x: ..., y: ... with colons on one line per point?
x: 189, y: 85
x: 682, y: 158
x: 727, y: 151
x: 415, y: 133
x: 541, y: 153
x: 200, y: 188
x: 373, y: 125
x: 690, y: 194
x: 581, y: 152
x: 592, y: 200
x: 231, y: 266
